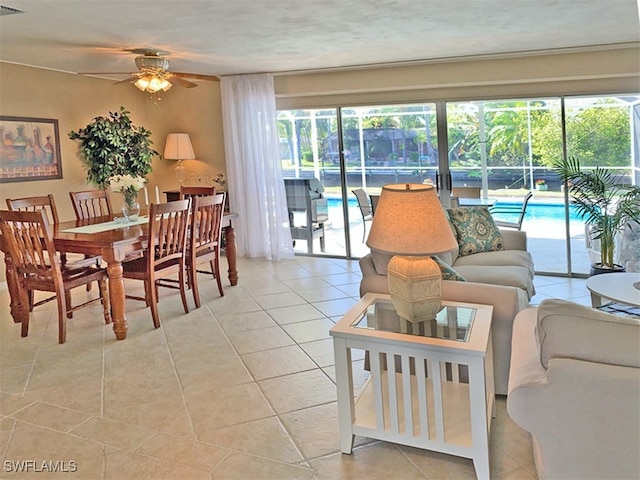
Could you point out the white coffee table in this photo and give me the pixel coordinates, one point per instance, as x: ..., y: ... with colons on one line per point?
x: 618, y: 287
x: 428, y: 403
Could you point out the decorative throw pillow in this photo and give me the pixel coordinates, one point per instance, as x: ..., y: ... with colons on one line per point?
x: 448, y: 273
x: 476, y: 230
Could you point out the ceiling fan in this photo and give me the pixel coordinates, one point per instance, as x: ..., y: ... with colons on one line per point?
x: 153, y: 72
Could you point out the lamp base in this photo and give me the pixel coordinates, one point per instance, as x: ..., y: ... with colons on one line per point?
x: 415, y: 286
x: 181, y: 172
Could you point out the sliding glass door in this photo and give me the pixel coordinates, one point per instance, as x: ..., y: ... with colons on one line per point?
x: 506, y: 148
x: 390, y: 144
x: 309, y: 151
x: 503, y: 149
x: 371, y: 147
x: 603, y: 132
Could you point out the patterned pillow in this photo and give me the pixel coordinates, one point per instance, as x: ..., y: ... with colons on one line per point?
x: 476, y: 230
x: 448, y: 273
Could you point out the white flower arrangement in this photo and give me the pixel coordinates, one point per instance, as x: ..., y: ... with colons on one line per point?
x: 128, y: 185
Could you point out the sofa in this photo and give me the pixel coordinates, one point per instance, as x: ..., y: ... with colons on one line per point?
x: 502, y: 278
x: 575, y: 386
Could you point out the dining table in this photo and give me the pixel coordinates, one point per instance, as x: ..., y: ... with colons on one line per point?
x: 113, y: 240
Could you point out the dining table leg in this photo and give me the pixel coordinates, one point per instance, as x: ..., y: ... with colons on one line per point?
x: 117, y: 297
x: 230, y: 251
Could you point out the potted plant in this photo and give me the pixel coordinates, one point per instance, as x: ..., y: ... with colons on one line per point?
x: 604, y: 202
x: 112, y: 145
x: 541, y: 185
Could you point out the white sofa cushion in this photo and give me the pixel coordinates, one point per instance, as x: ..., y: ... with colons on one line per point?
x: 509, y: 276
x: 568, y: 330
x: 503, y: 258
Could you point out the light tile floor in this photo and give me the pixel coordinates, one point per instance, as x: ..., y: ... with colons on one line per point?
x: 241, y: 388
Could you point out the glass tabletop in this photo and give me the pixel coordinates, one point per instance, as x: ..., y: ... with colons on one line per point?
x: 451, y: 323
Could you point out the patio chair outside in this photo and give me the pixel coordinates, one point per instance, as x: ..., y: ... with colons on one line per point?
x: 365, y: 209
x: 515, y: 210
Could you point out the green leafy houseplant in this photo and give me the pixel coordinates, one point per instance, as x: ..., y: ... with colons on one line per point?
x: 112, y: 145
x: 604, y: 203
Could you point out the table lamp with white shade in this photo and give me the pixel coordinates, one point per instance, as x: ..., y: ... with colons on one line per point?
x: 178, y: 147
x: 410, y: 223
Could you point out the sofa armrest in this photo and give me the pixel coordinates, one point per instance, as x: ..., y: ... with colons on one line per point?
x: 567, y: 330
x: 526, y: 368
x: 583, y: 415
x: 514, y: 239
x: 506, y: 302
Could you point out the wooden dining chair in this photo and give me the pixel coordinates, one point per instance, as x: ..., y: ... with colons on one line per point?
x: 48, y: 204
x: 204, y: 240
x: 186, y: 192
x: 31, y: 204
x: 164, y: 255
x: 91, y: 204
x: 37, y: 266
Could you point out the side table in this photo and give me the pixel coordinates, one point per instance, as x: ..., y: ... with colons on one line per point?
x: 620, y: 287
x: 430, y: 383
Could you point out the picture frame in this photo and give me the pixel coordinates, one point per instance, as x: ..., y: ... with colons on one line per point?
x: 29, y: 149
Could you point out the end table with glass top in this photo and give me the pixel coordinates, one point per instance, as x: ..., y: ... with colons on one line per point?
x: 441, y: 394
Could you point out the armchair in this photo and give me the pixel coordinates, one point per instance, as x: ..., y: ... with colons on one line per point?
x: 575, y: 386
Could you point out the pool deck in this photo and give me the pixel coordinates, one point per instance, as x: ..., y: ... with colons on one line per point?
x: 545, y: 240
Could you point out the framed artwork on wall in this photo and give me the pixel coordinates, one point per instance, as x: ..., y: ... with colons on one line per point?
x: 29, y: 149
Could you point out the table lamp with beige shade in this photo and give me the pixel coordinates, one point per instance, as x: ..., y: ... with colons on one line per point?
x: 410, y: 223
x: 178, y: 147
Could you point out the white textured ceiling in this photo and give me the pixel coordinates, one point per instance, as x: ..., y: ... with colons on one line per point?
x: 222, y: 37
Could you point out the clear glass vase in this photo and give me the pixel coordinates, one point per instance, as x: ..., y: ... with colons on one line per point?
x: 131, y: 211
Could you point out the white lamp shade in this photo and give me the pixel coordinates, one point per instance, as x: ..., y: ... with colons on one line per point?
x: 410, y: 220
x: 178, y: 147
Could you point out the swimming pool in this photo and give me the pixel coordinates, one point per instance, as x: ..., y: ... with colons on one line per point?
x: 536, y: 210
x: 543, y: 211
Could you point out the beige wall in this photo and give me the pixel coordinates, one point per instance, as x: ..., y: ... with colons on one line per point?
x: 74, y: 100
x: 596, y: 71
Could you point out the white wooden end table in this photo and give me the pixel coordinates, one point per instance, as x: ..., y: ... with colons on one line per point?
x: 441, y: 394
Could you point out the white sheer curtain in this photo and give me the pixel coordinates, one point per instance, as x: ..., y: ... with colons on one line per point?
x: 254, y: 171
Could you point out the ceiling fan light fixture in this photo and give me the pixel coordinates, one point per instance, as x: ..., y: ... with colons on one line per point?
x: 142, y: 83
x: 165, y: 84
x: 152, y: 84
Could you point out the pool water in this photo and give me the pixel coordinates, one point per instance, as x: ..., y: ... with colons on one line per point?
x: 536, y: 211
x: 543, y: 211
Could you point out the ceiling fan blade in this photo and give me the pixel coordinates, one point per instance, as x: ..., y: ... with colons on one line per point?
x: 196, y: 76
x: 127, y: 80
x: 104, y: 73
x: 182, y: 82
